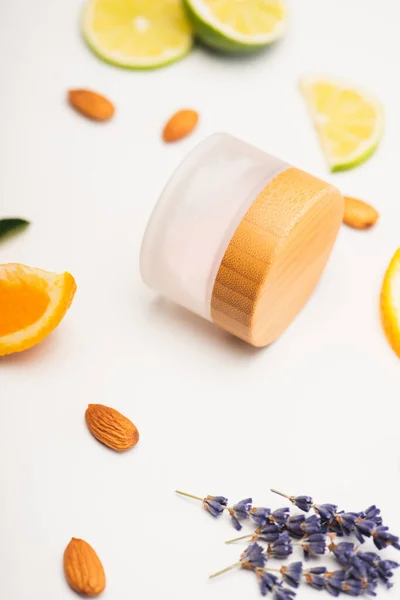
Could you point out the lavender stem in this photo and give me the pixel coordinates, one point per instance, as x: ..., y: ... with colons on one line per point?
x: 280, y: 494
x: 238, y: 564
x: 242, y: 537
x: 189, y: 495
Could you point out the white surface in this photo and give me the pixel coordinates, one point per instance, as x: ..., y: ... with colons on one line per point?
x: 197, y: 214
x: 315, y: 413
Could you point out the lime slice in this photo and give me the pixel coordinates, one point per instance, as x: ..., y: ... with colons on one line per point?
x: 137, y: 34
x: 237, y: 25
x: 349, y: 120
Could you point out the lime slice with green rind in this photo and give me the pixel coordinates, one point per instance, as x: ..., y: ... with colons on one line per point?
x: 137, y: 34
x: 349, y: 120
x: 234, y: 26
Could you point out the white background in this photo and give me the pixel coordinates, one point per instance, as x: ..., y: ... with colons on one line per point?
x: 315, y: 413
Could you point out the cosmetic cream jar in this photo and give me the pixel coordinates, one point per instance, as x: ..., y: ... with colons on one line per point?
x: 240, y: 238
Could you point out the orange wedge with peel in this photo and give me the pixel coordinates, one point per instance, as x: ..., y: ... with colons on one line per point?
x: 390, y: 303
x: 32, y: 304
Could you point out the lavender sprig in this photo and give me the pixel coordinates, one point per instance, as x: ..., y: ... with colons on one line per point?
x: 252, y: 558
x: 305, y: 503
x: 216, y: 505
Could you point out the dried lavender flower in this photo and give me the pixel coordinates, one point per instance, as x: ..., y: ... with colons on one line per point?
x: 292, y: 574
x: 312, y: 525
x: 370, y: 558
x: 280, y: 516
x: 359, y: 569
x: 269, y: 532
x: 267, y: 582
x: 282, y: 547
x: 295, y: 525
x: 383, y: 538
x: 272, y: 525
x: 315, y: 577
x: 333, y: 581
x: 373, y: 514
x: 363, y: 528
x: 260, y: 515
x: 352, y: 587
x: 281, y: 593
x: 253, y: 557
x: 326, y: 511
x: 344, y: 523
x: 299, y: 525
x: 343, y: 552
x: 240, y: 510
x: 369, y: 587
x: 215, y: 505
x: 305, y: 503
x: 384, y: 569
x: 366, y: 522
x: 313, y: 544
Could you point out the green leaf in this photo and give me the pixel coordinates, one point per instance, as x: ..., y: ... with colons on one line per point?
x: 10, y: 226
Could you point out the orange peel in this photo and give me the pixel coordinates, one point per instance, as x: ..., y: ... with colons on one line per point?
x: 390, y: 303
x: 32, y: 304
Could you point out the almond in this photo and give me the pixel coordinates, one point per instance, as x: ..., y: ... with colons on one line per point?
x: 359, y: 214
x: 83, y: 568
x: 91, y: 105
x: 180, y: 125
x: 111, y: 428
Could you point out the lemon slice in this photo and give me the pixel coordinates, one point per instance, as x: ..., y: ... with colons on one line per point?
x: 138, y: 34
x: 349, y: 120
x: 237, y: 25
x: 390, y: 303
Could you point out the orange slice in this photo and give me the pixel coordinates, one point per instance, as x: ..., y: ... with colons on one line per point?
x: 32, y: 304
x: 390, y: 303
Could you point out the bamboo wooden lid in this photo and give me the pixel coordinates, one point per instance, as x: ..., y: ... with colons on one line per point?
x: 276, y: 257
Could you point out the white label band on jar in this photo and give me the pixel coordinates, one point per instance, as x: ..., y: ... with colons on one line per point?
x: 197, y: 215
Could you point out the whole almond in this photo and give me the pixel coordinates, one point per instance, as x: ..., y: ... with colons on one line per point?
x: 91, y: 104
x: 111, y: 428
x: 359, y: 214
x: 180, y: 125
x: 83, y: 568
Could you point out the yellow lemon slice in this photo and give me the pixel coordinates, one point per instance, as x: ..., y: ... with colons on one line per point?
x: 32, y: 304
x: 349, y: 121
x: 138, y: 34
x: 390, y: 303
